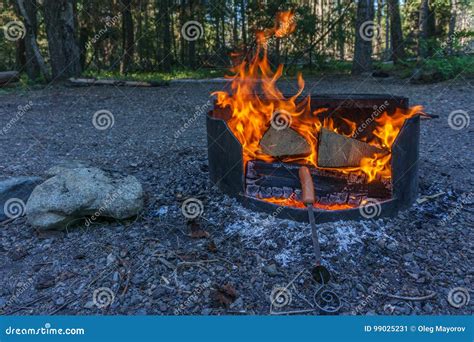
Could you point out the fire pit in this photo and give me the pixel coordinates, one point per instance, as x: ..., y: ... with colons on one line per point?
x: 343, y: 192
x: 361, y: 150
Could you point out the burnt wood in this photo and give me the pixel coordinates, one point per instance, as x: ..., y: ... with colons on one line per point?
x: 326, y: 182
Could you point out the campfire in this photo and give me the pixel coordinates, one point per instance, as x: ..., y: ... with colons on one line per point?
x: 359, y: 148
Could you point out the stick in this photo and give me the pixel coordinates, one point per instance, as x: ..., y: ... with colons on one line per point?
x: 429, y: 296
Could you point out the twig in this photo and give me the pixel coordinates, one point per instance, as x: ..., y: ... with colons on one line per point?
x: 429, y: 296
x: 197, y: 263
x: 28, y: 304
x: 291, y: 312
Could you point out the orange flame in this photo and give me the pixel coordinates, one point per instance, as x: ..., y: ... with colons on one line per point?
x: 255, y: 98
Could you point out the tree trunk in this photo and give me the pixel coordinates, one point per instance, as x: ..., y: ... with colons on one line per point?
x: 378, y: 38
x: 340, y: 32
x: 128, y: 41
x: 363, y: 43
x: 63, y: 49
x: 452, y: 26
x: 35, y: 62
x: 31, y: 64
x: 388, y: 44
x: 20, y: 55
x: 182, y: 22
x: 243, y: 23
x: 166, y: 65
x: 426, y: 29
x: 398, y: 50
x: 235, y: 28
x: 192, y: 44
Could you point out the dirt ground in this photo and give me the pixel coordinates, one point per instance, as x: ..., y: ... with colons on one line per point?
x: 152, y: 265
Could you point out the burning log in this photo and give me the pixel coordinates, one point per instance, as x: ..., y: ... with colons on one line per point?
x: 335, y: 150
x: 8, y: 77
x: 280, y: 180
x: 284, y: 142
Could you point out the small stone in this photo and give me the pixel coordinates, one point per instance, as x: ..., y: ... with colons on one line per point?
x: 381, y: 243
x: 89, y: 305
x: 45, y: 281
x: 428, y: 308
x: 159, y: 292
x: 392, y: 246
x: 206, y: 311
x: 238, y: 304
x: 163, y: 307
x: 18, y: 254
x: 408, y: 257
x: 60, y: 301
x: 271, y: 270
x: 111, y: 258
x: 361, y: 288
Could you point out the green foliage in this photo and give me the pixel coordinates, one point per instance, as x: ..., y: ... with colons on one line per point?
x: 450, y: 67
x: 157, y: 76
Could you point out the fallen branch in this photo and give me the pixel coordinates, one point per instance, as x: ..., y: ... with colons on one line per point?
x: 8, y: 77
x: 117, y: 83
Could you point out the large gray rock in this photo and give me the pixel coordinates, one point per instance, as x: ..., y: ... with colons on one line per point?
x: 73, y: 194
x: 14, y: 193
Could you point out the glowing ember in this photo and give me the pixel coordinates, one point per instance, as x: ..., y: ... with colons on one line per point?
x: 255, y: 101
x: 290, y: 202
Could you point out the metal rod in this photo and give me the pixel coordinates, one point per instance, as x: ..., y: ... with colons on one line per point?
x: 314, y: 234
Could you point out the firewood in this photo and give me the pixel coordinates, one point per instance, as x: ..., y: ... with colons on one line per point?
x: 335, y: 150
x: 8, y: 77
x: 281, y: 179
x: 284, y: 142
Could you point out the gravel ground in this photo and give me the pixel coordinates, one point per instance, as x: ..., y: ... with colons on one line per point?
x: 152, y: 265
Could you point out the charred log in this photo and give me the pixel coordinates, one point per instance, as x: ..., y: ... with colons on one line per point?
x: 280, y: 180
